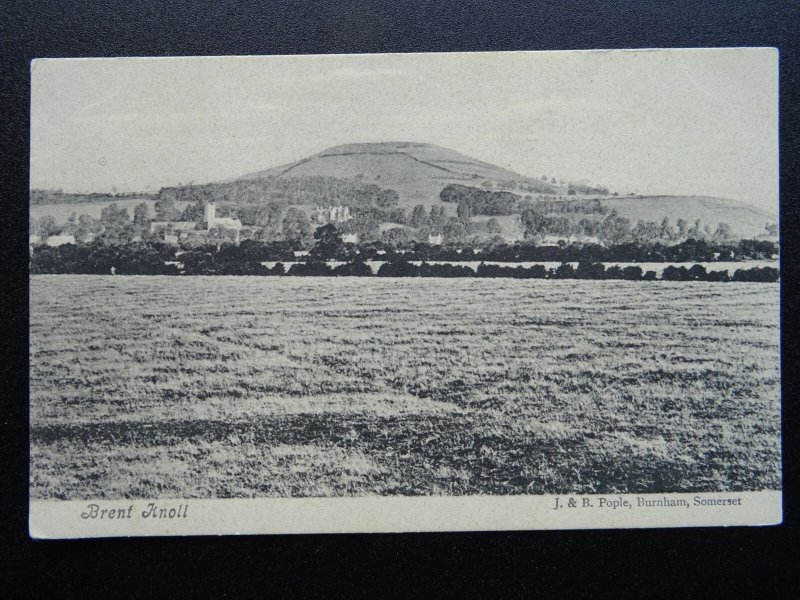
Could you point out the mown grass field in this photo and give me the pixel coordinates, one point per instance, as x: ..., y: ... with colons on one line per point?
x: 245, y: 387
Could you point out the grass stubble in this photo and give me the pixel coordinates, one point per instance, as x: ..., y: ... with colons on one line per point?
x: 222, y: 387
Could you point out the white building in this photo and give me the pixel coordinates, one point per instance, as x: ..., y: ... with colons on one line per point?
x: 172, y: 230
x: 212, y: 220
x: 331, y: 214
x: 350, y: 238
x: 59, y: 240
x: 435, y: 240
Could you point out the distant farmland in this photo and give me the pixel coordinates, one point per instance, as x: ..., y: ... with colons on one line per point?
x: 156, y: 387
x: 61, y: 212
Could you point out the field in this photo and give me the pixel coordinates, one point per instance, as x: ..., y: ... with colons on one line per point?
x: 246, y: 387
x: 61, y: 212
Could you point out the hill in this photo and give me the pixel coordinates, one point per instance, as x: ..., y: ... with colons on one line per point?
x: 418, y: 172
x: 745, y: 220
x: 382, y: 183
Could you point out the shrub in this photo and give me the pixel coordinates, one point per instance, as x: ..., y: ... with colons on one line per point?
x: 353, y: 269
x: 311, y: 269
x: 757, y: 274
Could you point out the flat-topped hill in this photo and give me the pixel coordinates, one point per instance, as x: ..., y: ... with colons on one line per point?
x: 418, y: 172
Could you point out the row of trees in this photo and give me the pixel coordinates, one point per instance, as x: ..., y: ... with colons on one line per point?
x: 317, y: 190
x: 139, y: 258
x: 153, y: 259
x: 328, y: 245
x: 615, y: 229
x: 688, y: 251
x: 475, y: 201
x: 115, y: 225
x: 40, y: 197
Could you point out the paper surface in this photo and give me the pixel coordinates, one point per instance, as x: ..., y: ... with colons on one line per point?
x: 378, y: 293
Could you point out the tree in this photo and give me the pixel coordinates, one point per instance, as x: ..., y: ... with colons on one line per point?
x: 723, y: 232
x: 71, y: 226
x: 681, y: 225
x: 387, y: 198
x: 196, y: 211
x: 117, y: 226
x: 419, y: 216
x: 399, y: 215
x: 47, y: 226
x: 697, y: 272
x: 366, y: 225
x: 353, y: 269
x: 493, y: 226
x: 141, y: 217
x: 695, y: 231
x: 296, y: 226
x: 464, y: 211
x: 564, y: 271
x: 454, y: 231
x: 614, y: 229
x: 328, y: 244
x: 88, y: 227
x: 665, y: 230
x: 398, y: 236
x: 166, y: 209
x: 437, y: 218
x: 268, y: 218
x: 646, y: 232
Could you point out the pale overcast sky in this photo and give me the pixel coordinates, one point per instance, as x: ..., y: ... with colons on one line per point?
x: 662, y: 122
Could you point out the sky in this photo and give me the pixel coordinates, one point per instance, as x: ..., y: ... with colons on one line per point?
x: 700, y: 122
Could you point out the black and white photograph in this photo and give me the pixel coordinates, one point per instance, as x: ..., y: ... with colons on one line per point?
x: 404, y: 292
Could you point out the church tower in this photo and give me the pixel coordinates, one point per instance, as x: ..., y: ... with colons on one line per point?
x: 211, y: 214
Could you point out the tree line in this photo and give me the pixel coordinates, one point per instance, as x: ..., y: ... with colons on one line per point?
x: 160, y: 259
x: 40, y: 197
x: 156, y: 258
x: 284, y: 191
x: 99, y: 255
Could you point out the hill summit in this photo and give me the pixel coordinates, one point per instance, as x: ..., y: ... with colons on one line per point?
x: 417, y: 171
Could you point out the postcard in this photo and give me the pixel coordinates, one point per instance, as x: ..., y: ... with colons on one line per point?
x: 404, y: 292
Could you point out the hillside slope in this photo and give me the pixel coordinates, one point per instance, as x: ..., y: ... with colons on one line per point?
x: 746, y: 220
x: 418, y: 172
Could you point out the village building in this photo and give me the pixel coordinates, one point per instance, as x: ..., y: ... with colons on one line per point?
x: 228, y: 223
x: 331, y: 214
x: 173, y: 232
x: 553, y: 240
x: 435, y: 240
x: 174, y: 226
x: 59, y: 240
x: 350, y: 238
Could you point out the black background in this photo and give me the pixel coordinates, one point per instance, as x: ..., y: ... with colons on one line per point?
x: 689, y: 562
